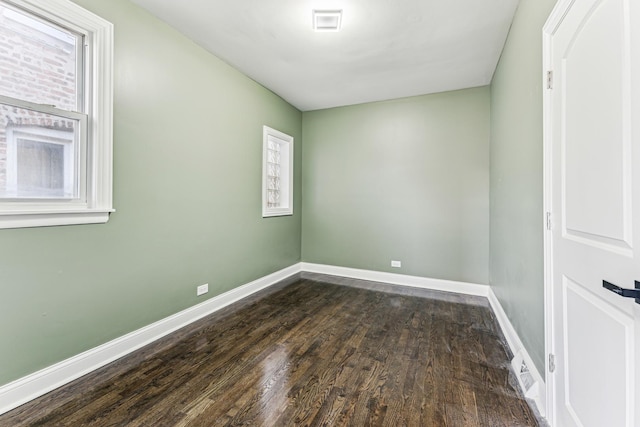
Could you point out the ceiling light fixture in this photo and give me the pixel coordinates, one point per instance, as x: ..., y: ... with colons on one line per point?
x: 327, y: 20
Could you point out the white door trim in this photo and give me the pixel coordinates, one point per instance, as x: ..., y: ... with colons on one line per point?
x: 549, y: 29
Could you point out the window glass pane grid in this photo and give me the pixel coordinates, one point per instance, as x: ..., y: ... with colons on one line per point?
x: 277, y: 180
x: 273, y: 173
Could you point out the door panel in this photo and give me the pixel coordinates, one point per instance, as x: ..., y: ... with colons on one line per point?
x: 601, y: 367
x: 594, y: 130
x: 595, y: 140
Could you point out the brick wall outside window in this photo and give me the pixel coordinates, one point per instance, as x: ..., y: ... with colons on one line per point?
x: 32, y: 63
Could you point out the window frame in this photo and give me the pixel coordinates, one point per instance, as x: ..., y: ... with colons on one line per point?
x: 286, y: 174
x: 95, y: 160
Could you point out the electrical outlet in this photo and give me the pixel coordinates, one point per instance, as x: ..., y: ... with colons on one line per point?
x: 396, y: 264
x: 202, y: 289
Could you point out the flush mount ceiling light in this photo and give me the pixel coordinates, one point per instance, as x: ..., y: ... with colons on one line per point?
x: 327, y: 20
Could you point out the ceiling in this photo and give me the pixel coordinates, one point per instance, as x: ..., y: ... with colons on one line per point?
x: 386, y: 49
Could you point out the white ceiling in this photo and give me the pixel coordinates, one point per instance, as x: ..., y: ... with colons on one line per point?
x: 387, y: 48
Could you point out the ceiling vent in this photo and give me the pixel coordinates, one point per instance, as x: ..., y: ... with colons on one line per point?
x: 327, y: 20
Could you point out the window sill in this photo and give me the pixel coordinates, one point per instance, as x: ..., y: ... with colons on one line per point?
x: 26, y: 219
x: 277, y: 212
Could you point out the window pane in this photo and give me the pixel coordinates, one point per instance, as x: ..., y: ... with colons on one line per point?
x: 277, y: 173
x: 38, y: 154
x: 40, y: 169
x: 40, y: 64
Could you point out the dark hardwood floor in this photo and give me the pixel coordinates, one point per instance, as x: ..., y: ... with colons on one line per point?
x: 307, y: 353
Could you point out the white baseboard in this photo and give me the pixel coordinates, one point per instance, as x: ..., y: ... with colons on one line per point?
x: 537, y: 392
x: 399, y: 279
x: 39, y: 383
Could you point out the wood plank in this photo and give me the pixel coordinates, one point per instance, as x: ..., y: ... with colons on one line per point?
x: 309, y: 353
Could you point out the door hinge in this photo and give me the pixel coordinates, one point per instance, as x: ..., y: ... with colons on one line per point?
x: 552, y: 363
x: 549, y: 79
x: 548, y: 220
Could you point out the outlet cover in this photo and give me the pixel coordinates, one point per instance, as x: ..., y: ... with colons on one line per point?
x: 396, y: 264
x: 202, y: 289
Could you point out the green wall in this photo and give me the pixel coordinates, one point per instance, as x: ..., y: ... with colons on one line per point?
x: 400, y: 180
x: 516, y: 265
x: 187, y: 189
x: 417, y: 179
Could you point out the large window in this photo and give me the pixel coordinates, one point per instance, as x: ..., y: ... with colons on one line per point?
x: 55, y: 114
x: 277, y: 173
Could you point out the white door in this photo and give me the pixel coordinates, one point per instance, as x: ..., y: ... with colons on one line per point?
x: 592, y: 113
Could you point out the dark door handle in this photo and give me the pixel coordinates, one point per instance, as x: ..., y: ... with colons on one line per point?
x: 627, y: 293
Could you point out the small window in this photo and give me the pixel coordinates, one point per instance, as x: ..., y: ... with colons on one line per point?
x: 55, y: 114
x: 277, y: 173
x: 41, y: 163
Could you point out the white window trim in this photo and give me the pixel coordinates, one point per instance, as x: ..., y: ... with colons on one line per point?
x: 99, y: 72
x: 287, y: 142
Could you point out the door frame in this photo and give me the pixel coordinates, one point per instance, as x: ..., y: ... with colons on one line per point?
x: 548, y: 31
